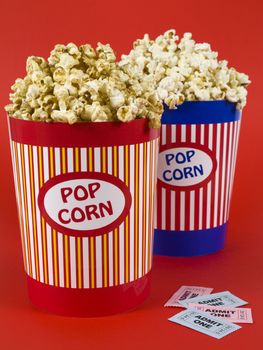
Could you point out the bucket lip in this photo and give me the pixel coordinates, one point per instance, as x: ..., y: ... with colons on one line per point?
x: 86, y: 123
x: 206, y: 101
x: 202, y: 112
x: 89, y: 134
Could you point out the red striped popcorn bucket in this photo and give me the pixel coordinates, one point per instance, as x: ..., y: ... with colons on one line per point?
x: 198, y: 148
x: 85, y: 201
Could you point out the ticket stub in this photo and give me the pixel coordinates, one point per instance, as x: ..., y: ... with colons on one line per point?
x: 232, y: 314
x: 216, y: 299
x: 204, y: 323
x: 186, y: 292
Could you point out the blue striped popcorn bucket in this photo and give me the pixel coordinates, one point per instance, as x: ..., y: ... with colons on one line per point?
x: 198, y: 148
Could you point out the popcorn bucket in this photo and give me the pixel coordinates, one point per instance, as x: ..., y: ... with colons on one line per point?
x: 85, y: 201
x: 196, y: 167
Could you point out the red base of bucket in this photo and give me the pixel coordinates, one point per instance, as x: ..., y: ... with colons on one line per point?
x: 88, y: 302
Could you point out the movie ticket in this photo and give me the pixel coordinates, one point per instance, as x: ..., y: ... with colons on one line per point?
x: 186, y: 292
x: 236, y: 315
x: 204, y: 323
x: 216, y: 299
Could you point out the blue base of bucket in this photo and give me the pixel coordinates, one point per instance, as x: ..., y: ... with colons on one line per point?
x: 189, y: 243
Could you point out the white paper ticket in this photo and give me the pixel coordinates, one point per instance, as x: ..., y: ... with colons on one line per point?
x: 186, y: 292
x: 204, y: 323
x: 216, y: 299
x: 231, y: 314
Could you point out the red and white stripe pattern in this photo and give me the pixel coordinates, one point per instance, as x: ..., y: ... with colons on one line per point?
x: 112, y: 259
x: 207, y: 206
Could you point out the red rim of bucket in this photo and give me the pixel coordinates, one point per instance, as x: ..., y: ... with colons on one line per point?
x: 81, y: 134
x: 81, y: 302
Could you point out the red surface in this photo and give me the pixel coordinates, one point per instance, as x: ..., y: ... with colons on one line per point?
x: 234, y: 28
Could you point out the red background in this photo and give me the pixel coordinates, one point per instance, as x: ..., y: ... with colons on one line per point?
x: 234, y: 28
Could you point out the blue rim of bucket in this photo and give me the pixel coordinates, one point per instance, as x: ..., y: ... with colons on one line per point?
x: 189, y: 243
x: 201, y: 112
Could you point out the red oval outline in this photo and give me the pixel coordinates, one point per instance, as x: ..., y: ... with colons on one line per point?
x: 195, y: 146
x: 85, y: 175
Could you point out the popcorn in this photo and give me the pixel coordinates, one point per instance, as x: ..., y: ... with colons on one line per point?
x: 39, y: 114
x: 125, y: 113
x: 64, y: 116
x: 67, y: 61
x: 59, y: 75
x: 97, y: 113
x: 78, y: 84
x: 116, y: 97
x: 183, y: 70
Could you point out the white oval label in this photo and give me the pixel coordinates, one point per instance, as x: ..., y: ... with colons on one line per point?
x: 84, y: 204
x: 184, y: 166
